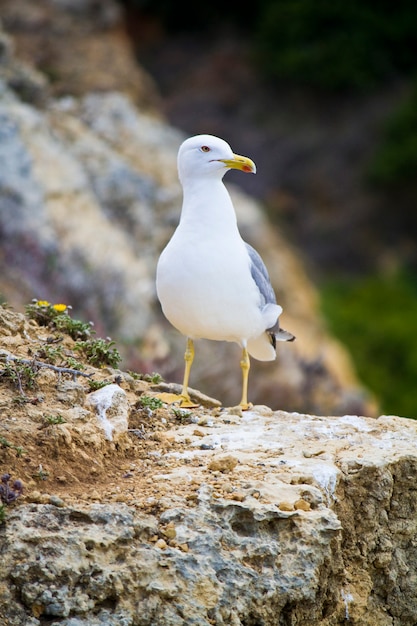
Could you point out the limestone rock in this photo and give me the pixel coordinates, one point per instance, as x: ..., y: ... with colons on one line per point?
x: 346, y: 558
x: 93, y: 32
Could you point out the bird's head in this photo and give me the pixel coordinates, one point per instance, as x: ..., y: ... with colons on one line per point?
x: 209, y: 156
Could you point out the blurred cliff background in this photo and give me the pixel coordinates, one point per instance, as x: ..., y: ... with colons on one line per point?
x: 95, y: 98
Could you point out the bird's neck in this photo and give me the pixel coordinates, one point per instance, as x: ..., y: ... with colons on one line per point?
x: 207, y: 204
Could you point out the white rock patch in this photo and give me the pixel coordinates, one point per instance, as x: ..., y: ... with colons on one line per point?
x: 111, y: 405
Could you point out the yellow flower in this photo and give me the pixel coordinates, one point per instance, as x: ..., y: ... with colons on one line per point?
x: 42, y: 303
x: 60, y: 307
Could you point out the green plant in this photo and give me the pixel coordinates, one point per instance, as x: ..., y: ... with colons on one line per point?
x: 94, y: 385
x: 41, y: 474
x: 182, y: 415
x: 74, y: 364
x: 154, y: 378
x: 51, y: 354
x: 74, y: 328
x: 57, y: 317
x: 54, y: 419
x: 5, y: 443
x: 150, y: 402
x: 21, y: 373
x: 99, y: 352
x: 44, y: 312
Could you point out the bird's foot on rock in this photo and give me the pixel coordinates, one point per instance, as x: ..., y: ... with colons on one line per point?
x: 187, y: 403
x: 183, y: 402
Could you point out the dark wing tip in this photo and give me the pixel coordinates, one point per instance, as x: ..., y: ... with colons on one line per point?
x: 284, y: 335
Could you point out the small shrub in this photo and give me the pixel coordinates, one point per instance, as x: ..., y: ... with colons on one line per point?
x: 76, y: 329
x: 51, y: 354
x: 21, y: 374
x: 99, y: 352
x: 57, y: 317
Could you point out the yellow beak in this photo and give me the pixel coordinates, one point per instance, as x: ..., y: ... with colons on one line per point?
x: 238, y: 162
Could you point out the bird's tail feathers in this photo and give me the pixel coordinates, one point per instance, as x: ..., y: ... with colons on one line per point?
x: 262, y: 348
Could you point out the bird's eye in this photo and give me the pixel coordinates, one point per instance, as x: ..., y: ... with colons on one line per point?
x: 205, y: 149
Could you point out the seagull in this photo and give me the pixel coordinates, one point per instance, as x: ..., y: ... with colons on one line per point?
x: 212, y: 284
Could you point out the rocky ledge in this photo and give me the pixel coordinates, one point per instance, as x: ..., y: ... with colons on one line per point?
x: 135, y: 513
x: 266, y: 518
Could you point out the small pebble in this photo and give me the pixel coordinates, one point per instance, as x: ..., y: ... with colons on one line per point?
x: 286, y: 506
x: 57, y: 501
x: 35, y: 496
x: 184, y: 547
x: 302, y: 505
x: 223, y: 464
x: 239, y: 496
x: 170, y: 531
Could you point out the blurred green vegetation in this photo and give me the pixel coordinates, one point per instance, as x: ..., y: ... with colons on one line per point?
x: 375, y: 317
x: 391, y: 173
x: 395, y: 161
x: 333, y: 44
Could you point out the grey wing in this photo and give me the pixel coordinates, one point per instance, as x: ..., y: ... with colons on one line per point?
x: 260, y: 276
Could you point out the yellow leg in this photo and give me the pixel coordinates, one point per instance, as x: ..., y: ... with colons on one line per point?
x: 245, y: 366
x: 184, y: 399
x: 188, y: 358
